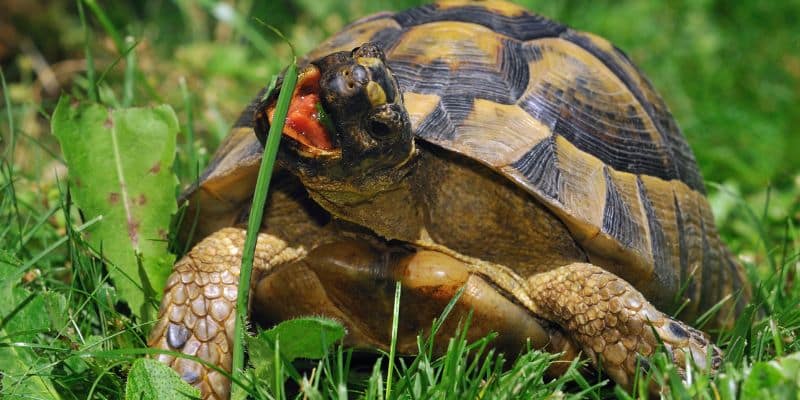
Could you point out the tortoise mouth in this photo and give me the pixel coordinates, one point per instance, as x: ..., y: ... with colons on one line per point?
x: 307, y: 125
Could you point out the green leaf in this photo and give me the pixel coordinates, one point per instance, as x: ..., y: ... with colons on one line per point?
x: 307, y: 337
x: 23, y: 315
x: 150, y: 379
x: 120, y: 165
x: 776, y: 379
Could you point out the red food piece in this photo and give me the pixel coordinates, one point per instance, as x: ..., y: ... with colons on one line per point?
x: 302, y: 119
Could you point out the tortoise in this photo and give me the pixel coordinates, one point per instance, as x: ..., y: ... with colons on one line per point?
x: 461, y: 144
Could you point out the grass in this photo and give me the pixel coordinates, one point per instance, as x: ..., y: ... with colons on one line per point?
x: 730, y: 75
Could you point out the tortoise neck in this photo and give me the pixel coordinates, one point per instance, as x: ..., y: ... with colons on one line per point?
x: 392, y: 213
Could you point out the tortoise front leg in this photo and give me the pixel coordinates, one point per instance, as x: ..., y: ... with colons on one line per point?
x: 613, y: 322
x: 197, y: 312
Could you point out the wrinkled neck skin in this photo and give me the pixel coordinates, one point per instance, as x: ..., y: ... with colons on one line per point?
x: 385, y: 202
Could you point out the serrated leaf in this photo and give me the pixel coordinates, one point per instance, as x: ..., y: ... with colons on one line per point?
x: 23, y: 315
x: 150, y: 379
x: 120, y: 167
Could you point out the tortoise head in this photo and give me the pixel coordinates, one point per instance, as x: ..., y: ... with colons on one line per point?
x: 347, y: 134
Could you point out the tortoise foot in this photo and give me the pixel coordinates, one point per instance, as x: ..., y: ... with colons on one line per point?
x: 197, y: 314
x: 614, y: 324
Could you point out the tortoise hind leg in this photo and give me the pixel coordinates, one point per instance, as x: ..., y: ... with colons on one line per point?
x: 611, y: 320
x: 197, y: 315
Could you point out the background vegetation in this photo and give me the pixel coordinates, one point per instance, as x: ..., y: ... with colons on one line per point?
x: 730, y: 72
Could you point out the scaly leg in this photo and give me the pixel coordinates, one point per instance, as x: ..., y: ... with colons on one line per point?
x: 197, y: 312
x: 612, y: 321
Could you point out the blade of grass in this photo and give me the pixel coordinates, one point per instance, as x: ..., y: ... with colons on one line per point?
x: 277, y: 390
x: 257, y: 212
x: 116, y: 61
x: 105, y: 22
x: 87, y: 39
x: 58, y: 243
x: 13, y: 136
x: 10, y: 157
x: 227, y: 14
x: 130, y: 72
x: 393, y: 344
x: 36, y: 225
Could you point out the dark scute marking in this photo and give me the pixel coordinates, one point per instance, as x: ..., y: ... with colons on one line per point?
x: 681, y: 162
x: 503, y: 83
x: 682, y: 154
x: 440, y: 125
x: 523, y: 27
x: 514, y: 65
x: 539, y: 166
x: 615, y: 137
x: 531, y: 52
x: 617, y: 221
x: 683, y: 251
x: 177, y: 335
x: 678, y: 331
x: 658, y: 243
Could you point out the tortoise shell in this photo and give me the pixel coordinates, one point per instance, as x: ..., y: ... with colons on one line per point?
x: 563, y: 114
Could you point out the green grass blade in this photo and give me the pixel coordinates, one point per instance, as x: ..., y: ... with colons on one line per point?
x: 130, y: 72
x: 393, y: 344
x: 12, y: 136
x: 87, y: 38
x: 9, y: 167
x: 105, y: 22
x: 257, y: 212
x: 58, y: 243
x: 227, y: 14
